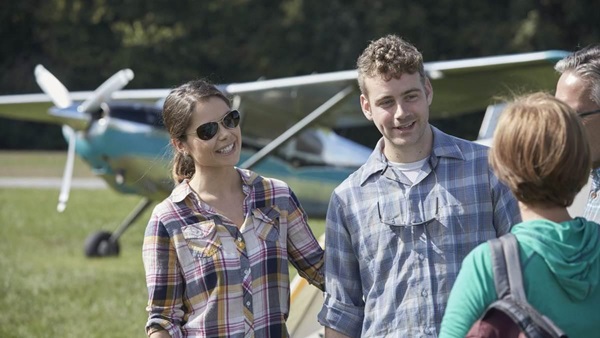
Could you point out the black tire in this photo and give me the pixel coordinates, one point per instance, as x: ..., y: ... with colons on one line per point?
x: 99, y: 244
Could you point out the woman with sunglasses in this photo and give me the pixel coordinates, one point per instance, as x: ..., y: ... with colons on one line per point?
x: 216, y: 250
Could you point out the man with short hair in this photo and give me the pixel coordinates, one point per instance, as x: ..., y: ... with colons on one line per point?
x: 579, y: 87
x: 399, y: 227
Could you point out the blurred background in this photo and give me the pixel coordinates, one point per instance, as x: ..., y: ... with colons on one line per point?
x: 168, y: 42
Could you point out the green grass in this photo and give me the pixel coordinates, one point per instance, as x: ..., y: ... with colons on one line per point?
x: 48, y: 287
x: 39, y: 164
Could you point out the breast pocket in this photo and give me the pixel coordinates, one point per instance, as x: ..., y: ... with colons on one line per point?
x: 202, y: 239
x: 266, y: 223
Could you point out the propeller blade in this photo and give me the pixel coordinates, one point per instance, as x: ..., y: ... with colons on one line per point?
x: 103, y: 93
x: 52, y: 87
x: 68, y: 173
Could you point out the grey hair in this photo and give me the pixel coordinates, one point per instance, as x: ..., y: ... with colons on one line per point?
x: 584, y: 63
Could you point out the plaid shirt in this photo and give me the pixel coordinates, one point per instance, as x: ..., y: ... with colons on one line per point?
x: 393, y: 249
x: 207, y: 278
x: 592, y: 210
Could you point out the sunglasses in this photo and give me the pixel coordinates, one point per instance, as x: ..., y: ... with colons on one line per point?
x: 209, y: 130
x: 588, y: 113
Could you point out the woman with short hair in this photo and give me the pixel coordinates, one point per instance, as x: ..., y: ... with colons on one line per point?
x: 541, y: 153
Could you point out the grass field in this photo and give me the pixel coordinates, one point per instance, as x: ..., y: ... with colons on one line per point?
x: 39, y: 164
x: 48, y: 287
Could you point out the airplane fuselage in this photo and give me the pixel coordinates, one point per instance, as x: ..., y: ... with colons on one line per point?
x: 129, y: 148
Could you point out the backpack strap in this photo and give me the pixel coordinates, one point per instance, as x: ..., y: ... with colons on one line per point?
x: 499, y: 268
x: 510, y: 246
x: 508, y: 279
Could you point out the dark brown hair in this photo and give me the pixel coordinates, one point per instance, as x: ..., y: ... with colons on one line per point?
x: 177, y: 114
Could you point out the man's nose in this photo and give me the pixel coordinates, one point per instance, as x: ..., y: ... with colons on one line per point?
x: 400, y: 112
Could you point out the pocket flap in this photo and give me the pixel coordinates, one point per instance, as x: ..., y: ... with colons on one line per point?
x: 267, y: 214
x: 199, y: 230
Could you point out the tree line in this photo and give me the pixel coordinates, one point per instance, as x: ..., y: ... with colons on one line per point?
x: 168, y: 42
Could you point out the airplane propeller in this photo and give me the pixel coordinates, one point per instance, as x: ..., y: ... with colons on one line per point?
x: 52, y: 87
x: 60, y: 97
x: 119, y: 80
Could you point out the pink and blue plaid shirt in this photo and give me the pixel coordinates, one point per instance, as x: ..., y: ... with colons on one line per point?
x: 207, y: 278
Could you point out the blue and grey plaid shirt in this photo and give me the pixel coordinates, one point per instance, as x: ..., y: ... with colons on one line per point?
x: 592, y: 210
x: 393, y: 249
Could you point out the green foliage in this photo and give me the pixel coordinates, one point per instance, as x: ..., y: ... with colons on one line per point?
x: 84, y: 42
x: 169, y: 42
x: 22, y: 135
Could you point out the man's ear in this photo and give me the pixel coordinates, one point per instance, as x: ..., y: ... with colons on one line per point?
x: 366, y: 107
x: 428, y: 91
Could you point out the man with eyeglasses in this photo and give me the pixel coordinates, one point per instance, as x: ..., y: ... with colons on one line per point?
x: 579, y: 87
x: 399, y: 227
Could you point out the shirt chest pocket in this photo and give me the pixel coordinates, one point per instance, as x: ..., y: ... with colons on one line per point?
x: 266, y: 223
x: 202, y: 239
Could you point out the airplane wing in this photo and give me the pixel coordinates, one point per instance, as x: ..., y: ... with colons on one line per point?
x: 460, y: 86
x: 34, y: 107
x: 270, y: 107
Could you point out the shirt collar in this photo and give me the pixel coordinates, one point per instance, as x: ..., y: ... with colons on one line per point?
x: 444, y: 145
x: 183, y: 189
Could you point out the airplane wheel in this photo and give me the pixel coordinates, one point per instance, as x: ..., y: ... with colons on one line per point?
x: 99, y: 245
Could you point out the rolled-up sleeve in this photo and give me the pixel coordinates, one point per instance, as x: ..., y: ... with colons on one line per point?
x: 343, y: 307
x: 304, y: 250
x: 163, y: 278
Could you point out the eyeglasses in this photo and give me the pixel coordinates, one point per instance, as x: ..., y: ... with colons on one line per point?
x: 209, y: 130
x: 588, y: 113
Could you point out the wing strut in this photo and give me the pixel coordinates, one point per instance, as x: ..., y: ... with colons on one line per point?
x: 298, y: 127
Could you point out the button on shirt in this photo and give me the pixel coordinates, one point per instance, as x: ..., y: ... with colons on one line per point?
x: 394, y: 248
x: 592, y: 209
x: 207, y: 278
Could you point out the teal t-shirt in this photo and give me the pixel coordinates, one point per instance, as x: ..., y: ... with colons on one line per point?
x: 561, y: 271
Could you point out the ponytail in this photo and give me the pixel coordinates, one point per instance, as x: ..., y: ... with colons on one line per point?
x: 183, y: 167
x: 178, y: 109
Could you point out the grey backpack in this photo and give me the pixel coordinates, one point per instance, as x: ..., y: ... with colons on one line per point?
x: 512, y: 301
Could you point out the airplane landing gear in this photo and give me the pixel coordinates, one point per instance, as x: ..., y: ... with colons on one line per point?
x: 103, y: 243
x: 100, y: 244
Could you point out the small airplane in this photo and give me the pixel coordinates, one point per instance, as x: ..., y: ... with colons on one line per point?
x: 306, y: 130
